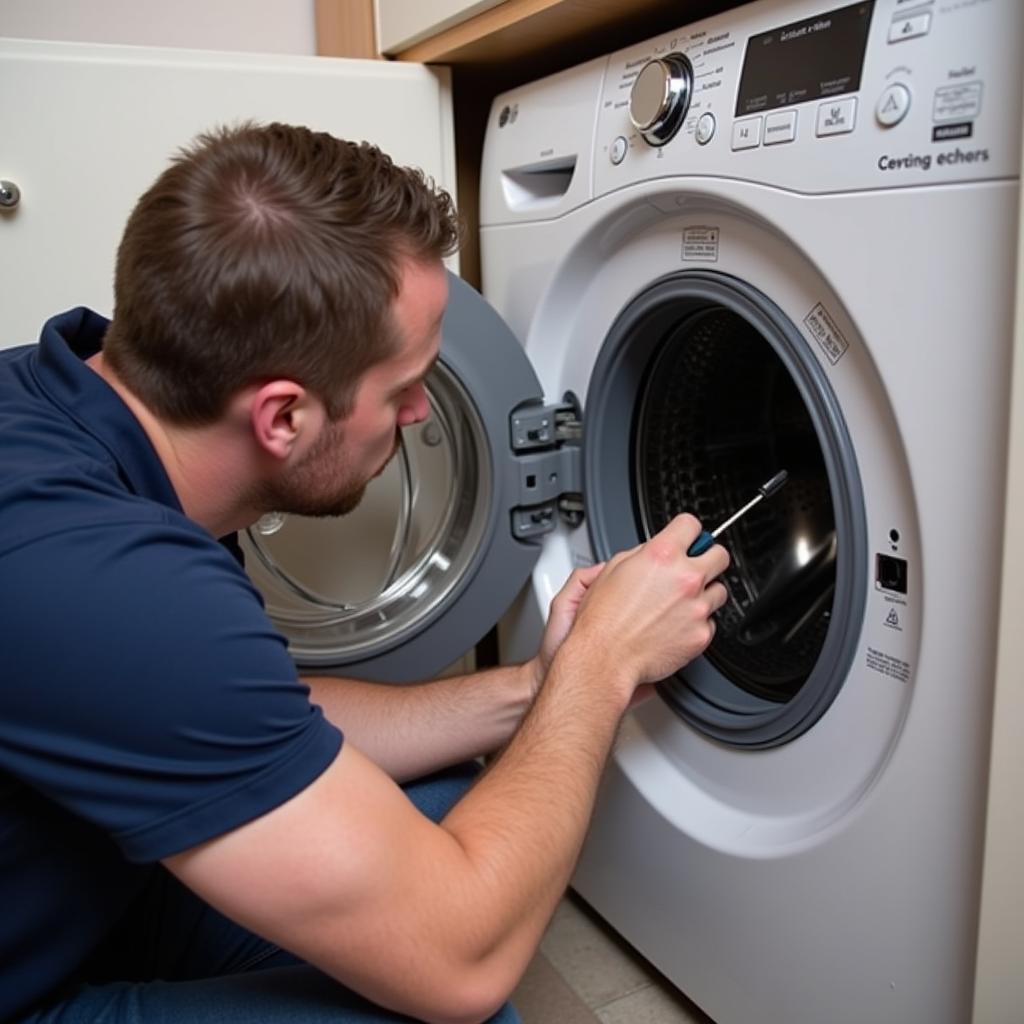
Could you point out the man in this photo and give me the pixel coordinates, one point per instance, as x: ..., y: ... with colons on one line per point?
x: 186, y: 835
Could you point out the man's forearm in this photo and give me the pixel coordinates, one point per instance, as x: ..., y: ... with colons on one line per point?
x: 419, y: 728
x: 521, y: 825
x: 523, y: 822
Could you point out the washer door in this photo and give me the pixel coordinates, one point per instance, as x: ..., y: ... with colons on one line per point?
x: 720, y: 393
x: 417, y: 574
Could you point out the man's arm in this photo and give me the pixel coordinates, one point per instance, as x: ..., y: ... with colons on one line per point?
x: 439, y: 921
x: 413, y: 730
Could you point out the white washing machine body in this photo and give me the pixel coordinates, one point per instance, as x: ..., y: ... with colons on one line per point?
x: 811, y: 854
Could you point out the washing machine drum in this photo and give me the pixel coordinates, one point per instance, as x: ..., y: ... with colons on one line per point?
x: 704, y: 390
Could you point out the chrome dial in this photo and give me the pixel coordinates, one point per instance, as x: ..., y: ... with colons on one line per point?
x: 660, y: 97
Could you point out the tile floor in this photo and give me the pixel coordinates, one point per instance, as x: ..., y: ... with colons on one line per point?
x: 585, y: 974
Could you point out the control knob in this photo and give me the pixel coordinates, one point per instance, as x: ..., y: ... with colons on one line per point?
x: 660, y: 97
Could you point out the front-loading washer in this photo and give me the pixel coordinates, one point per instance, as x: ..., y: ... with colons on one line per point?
x: 784, y: 238
x: 799, y: 257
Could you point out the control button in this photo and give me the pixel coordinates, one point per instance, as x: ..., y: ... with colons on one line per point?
x: 836, y: 117
x: 746, y: 134
x: 780, y: 127
x: 910, y: 28
x: 618, y: 150
x: 893, y: 105
x: 705, y: 128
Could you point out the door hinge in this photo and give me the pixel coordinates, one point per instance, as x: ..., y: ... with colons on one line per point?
x: 546, y: 440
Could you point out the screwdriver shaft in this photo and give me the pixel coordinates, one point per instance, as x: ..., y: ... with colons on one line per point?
x: 707, y: 537
x: 736, y: 515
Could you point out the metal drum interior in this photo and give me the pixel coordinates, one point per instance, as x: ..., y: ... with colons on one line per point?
x: 702, y: 392
x: 720, y: 415
x: 345, y: 589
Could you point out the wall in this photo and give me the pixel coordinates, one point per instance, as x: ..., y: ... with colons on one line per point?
x: 999, y: 983
x: 267, y: 26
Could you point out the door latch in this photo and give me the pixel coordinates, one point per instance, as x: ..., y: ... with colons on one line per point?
x: 546, y: 440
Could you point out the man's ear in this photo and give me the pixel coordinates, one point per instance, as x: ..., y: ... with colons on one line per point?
x: 285, y: 418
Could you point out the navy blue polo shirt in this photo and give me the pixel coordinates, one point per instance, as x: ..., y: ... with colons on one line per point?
x: 146, y: 702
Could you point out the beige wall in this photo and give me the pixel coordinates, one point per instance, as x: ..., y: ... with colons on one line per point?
x: 260, y: 26
x: 999, y: 991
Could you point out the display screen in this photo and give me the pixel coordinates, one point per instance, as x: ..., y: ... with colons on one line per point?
x: 806, y: 60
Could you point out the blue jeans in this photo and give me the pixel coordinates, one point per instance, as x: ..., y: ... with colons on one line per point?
x: 175, y: 959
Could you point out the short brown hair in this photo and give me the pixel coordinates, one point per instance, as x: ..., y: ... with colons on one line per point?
x: 262, y: 252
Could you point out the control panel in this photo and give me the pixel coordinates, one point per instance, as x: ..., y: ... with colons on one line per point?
x: 818, y: 98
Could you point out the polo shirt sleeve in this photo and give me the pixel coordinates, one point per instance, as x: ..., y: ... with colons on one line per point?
x: 148, y: 693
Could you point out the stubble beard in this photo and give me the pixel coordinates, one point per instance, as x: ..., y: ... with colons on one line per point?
x: 312, y: 489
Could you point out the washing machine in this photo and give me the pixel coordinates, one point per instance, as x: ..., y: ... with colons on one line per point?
x: 784, y: 238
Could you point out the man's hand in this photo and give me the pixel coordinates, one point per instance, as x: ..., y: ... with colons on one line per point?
x: 561, y: 616
x: 632, y: 584
x: 649, y: 611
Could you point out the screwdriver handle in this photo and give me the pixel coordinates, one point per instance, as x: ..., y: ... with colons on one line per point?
x: 701, y: 544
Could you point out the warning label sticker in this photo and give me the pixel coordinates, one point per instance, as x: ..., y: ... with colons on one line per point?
x: 888, y: 665
x: 892, y: 620
x: 700, y: 244
x: 825, y: 332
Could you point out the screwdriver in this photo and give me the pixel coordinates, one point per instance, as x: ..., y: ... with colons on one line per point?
x: 708, y: 537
